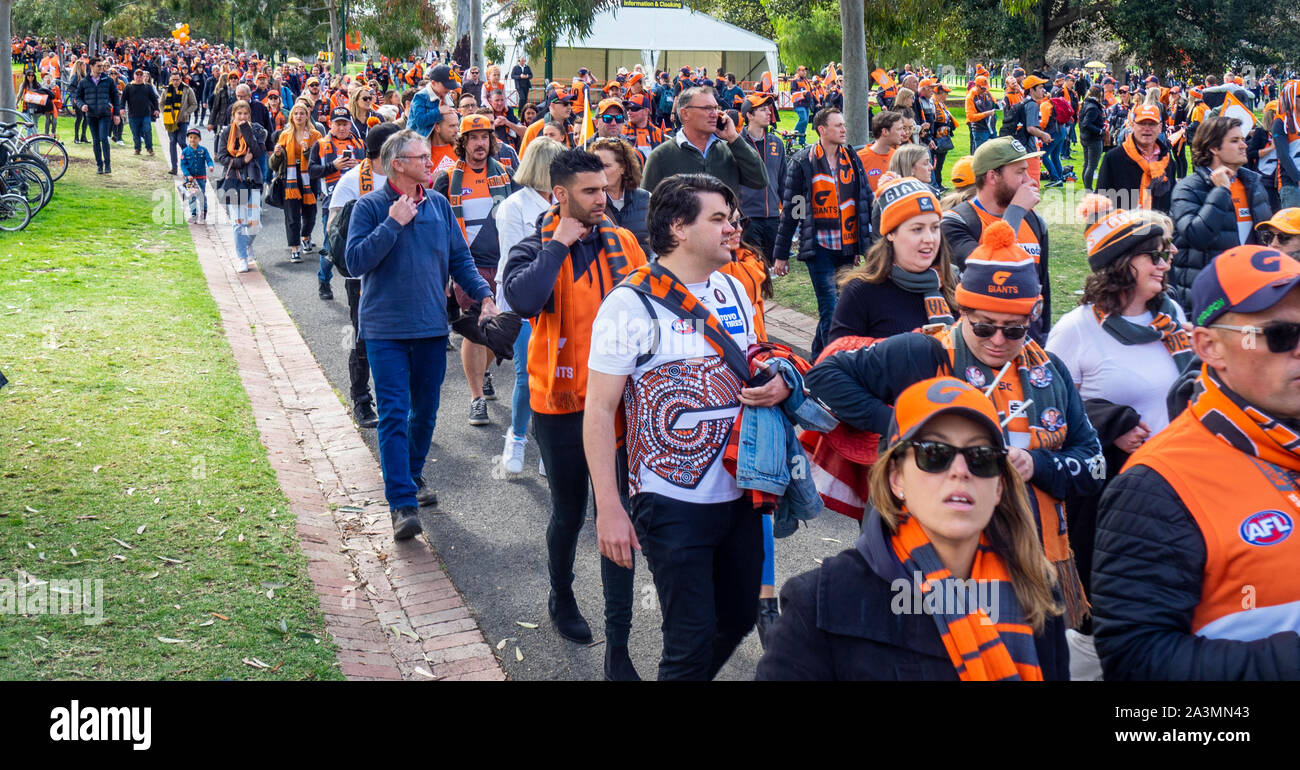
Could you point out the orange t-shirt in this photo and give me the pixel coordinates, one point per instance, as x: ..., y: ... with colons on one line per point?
x: 1241, y: 205
x: 875, y: 164
x: 443, y: 158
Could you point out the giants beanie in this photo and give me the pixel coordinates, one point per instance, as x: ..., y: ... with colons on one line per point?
x: 1000, y: 277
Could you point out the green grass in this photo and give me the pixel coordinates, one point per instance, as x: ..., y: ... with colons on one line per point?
x: 1068, y: 263
x: 125, y: 420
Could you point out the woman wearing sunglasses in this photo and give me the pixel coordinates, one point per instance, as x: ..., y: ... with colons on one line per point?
x: 1282, y: 232
x: 1125, y: 346
x: 361, y: 104
x: 1051, y: 445
x: 948, y: 579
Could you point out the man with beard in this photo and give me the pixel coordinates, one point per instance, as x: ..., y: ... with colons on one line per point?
x: 475, y: 185
x: 1004, y: 190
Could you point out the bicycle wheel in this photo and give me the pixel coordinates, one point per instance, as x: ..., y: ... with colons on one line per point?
x: 29, y: 180
x: 15, y: 212
x: 52, y: 151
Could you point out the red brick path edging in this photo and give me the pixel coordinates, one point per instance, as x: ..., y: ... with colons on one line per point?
x: 390, y: 607
x: 789, y: 325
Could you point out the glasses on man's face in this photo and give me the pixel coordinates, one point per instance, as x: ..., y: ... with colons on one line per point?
x: 985, y: 331
x: 426, y: 158
x: 1275, y: 237
x: 1282, y: 337
x: 608, y: 119
x: 704, y: 108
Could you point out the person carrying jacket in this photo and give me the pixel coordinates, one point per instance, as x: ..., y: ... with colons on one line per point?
x: 893, y: 607
x: 1217, y: 206
x: 828, y: 198
x: 1194, y: 576
x: 1053, y: 446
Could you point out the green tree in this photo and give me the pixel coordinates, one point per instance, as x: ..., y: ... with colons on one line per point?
x: 400, y: 26
x: 1201, y: 36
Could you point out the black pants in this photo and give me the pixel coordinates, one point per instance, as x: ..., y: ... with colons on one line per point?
x: 1091, y: 160
x: 707, y: 562
x: 299, y: 221
x: 358, y: 364
x: 762, y: 233
x: 81, y: 126
x: 939, y: 157
x: 559, y: 439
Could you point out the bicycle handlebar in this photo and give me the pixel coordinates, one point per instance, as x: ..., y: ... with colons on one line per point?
x: 22, y: 116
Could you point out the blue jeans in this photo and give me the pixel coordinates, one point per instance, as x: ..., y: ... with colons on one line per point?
x: 176, y: 141
x: 769, y: 552
x: 1052, y: 157
x: 99, y: 128
x: 520, y: 411
x: 245, y: 210
x: 821, y: 269
x: 408, y: 378
x: 707, y: 561
x: 325, y: 270
x: 142, y: 128
x: 978, y: 136
x: 802, y: 125
x: 200, y: 201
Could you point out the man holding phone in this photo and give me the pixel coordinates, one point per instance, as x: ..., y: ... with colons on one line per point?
x: 708, y: 143
x: 338, y: 152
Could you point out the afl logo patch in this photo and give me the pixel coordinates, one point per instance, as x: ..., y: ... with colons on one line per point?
x: 1052, y: 419
x: 1040, y: 377
x: 683, y: 326
x: 974, y: 376
x: 1266, y: 528
x: 719, y: 296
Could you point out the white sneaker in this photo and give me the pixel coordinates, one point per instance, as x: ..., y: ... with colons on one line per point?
x: 541, y: 468
x: 243, y: 265
x: 513, y: 453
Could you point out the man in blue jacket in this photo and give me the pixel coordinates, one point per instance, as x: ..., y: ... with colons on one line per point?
x: 98, y: 98
x: 402, y: 242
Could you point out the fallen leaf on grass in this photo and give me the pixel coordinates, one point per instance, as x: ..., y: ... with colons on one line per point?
x: 118, y: 556
x: 140, y: 529
x: 31, y: 546
x: 73, y: 551
x: 86, y: 518
x: 254, y: 662
x: 525, y: 624
x: 96, y: 469
x: 31, y: 509
x: 122, y: 543
x: 519, y: 656
x: 169, y: 640
x: 152, y: 575
x: 218, y: 616
x: 131, y: 491
x: 277, y: 667
x: 169, y: 560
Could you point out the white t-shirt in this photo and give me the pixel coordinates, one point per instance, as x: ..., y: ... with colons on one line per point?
x: 681, y: 402
x: 1103, y: 367
x: 349, y: 186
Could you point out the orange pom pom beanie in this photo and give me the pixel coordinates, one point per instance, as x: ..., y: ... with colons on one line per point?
x: 999, y: 276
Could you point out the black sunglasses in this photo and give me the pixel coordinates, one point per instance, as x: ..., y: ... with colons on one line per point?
x: 984, y: 331
x: 1282, y: 337
x: 1268, y: 237
x: 986, y: 462
x: 1160, y: 257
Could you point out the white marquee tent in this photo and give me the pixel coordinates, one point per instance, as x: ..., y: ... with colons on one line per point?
x: 658, y: 38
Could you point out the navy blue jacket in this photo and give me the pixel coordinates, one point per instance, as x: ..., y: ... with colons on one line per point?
x: 103, y: 98
x: 1205, y: 225
x: 837, y: 624
x: 860, y: 387
x: 798, y: 202
x: 403, y: 269
x: 636, y: 208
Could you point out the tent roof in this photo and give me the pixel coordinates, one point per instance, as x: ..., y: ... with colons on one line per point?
x: 667, y: 29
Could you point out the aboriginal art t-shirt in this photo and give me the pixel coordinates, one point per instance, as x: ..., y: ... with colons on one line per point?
x: 681, y: 398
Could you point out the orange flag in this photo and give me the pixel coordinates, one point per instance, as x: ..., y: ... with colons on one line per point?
x: 1233, y: 108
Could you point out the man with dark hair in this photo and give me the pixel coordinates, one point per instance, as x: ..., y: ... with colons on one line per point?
x: 141, y: 108
x: 890, y: 131
x: 668, y: 344
x: 475, y: 186
x: 1216, y: 207
x: 402, y: 244
x: 1005, y: 191
x: 558, y: 111
x: 763, y: 207
x: 827, y: 196
x: 558, y: 276
x: 707, y: 143
x: 98, y: 98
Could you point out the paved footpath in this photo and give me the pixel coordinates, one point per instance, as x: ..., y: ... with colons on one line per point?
x: 489, y: 530
x: 390, y: 607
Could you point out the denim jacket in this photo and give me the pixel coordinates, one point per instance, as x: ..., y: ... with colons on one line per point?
x: 770, y: 458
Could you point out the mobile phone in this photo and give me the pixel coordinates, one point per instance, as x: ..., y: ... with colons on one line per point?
x: 722, y: 121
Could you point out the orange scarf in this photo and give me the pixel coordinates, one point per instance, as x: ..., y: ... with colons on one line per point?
x: 296, y: 157
x: 980, y: 649
x: 1153, y: 171
x: 834, y: 206
x: 236, y: 145
x: 1243, y: 426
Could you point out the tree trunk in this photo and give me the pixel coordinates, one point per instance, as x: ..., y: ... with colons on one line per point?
x: 853, y: 56
x: 464, y: 18
x: 336, y: 43
x: 6, y: 61
x: 476, y: 35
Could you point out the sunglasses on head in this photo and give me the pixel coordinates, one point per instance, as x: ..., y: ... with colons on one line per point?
x: 984, y: 331
x: 986, y: 462
x: 1282, y: 337
x: 607, y: 119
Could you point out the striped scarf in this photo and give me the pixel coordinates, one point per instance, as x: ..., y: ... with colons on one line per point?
x: 834, y: 210
x: 1163, y: 327
x: 297, y: 186
x: 1243, y: 426
x: 498, y: 182
x: 980, y: 649
x: 553, y: 323
x: 1043, y: 422
x: 1155, y: 177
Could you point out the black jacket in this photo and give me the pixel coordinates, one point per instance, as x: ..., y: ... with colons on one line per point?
x: 837, y: 624
x: 1147, y: 571
x: 1092, y: 121
x: 1205, y: 225
x: 636, y: 207
x: 798, y: 201
x: 238, y: 173
x: 103, y: 98
x: 1120, y: 179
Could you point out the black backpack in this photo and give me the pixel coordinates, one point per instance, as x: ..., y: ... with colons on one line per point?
x: 1013, y: 124
x: 338, y: 238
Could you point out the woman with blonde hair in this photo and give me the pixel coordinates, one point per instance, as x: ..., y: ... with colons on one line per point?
x: 290, y: 161
x: 361, y: 103
x: 948, y: 580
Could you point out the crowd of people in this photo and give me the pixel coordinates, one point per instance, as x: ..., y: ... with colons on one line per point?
x: 1081, y: 500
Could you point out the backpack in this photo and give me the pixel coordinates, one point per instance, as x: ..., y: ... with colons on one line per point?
x: 1063, y: 109
x: 338, y: 235
x: 1013, y: 124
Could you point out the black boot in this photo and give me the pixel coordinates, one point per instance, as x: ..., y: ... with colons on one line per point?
x: 568, y: 621
x: 365, y: 415
x: 618, y: 665
x: 325, y: 292
x: 406, y: 523
x: 768, y: 612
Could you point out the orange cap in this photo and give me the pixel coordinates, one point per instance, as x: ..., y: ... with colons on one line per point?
x: 475, y: 122
x: 927, y: 399
x: 1285, y: 220
x: 982, y: 81
x: 1146, y: 112
x: 605, y: 104
x: 1032, y: 80
x: 963, y: 172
